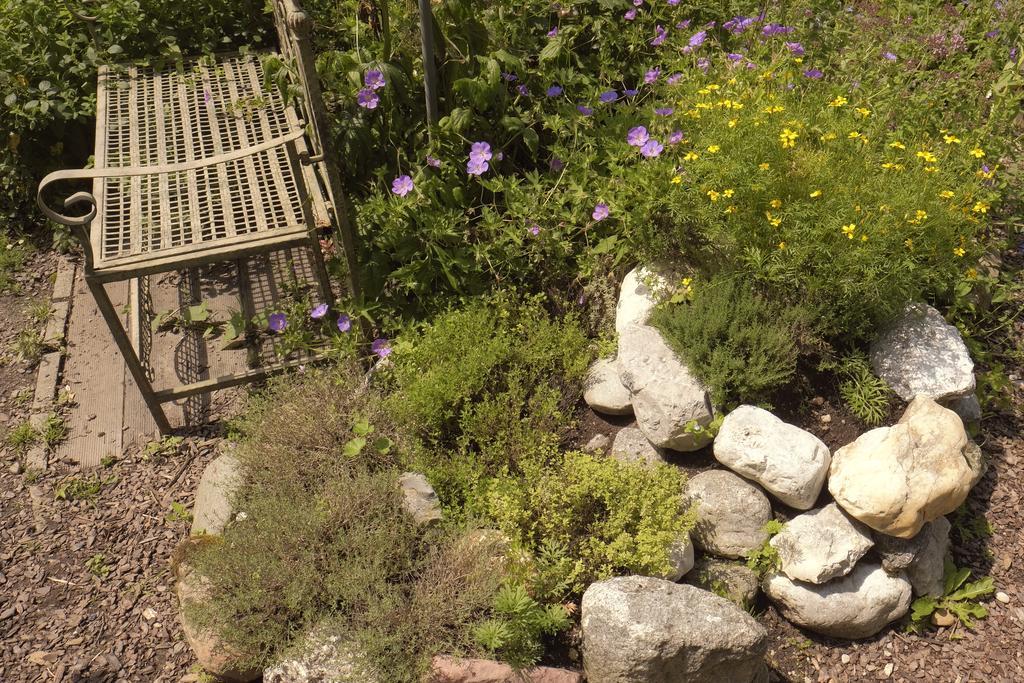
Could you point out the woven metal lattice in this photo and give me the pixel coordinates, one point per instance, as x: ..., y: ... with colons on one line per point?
x: 201, y: 110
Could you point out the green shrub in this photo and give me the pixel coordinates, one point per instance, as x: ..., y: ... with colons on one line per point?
x: 514, y: 633
x: 599, y: 516
x: 741, y: 344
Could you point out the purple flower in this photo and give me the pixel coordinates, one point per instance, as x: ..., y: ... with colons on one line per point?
x: 796, y: 48
x: 738, y: 24
x: 433, y: 161
x: 534, y: 229
x: 381, y: 347
x: 402, y: 185
x: 637, y: 3
x: 683, y: 24
x: 368, y: 99
x: 477, y: 166
x: 664, y: 111
x: 344, y: 323
x: 556, y: 164
x: 674, y: 78
x: 637, y: 136
x: 992, y: 34
x: 734, y: 56
x: 318, y: 312
x: 652, y: 75
x: 889, y: 56
x: 704, y: 64
x: 676, y: 137
x: 697, y: 39
x: 374, y: 79
x: 652, y: 148
x: 553, y: 32
x: 776, y: 29
x: 508, y: 76
x: 630, y: 15
x: 522, y: 90
x: 584, y: 109
x: 813, y: 74
x: 630, y: 92
x: 554, y: 91
x: 601, y: 212
x: 480, y: 151
x: 673, y: 2
x: 660, y: 34
x: 609, y: 96
x: 277, y: 322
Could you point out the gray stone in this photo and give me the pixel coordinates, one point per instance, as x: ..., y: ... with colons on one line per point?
x: 672, y: 407
x: 975, y: 461
x: 603, y: 390
x: 217, y: 487
x: 320, y: 658
x: 419, y: 498
x: 895, y: 479
x: 646, y: 630
x: 898, y: 553
x: 919, y: 353
x: 630, y: 445
x: 967, y: 407
x: 637, y: 297
x: 858, y: 605
x: 922, y: 557
x: 731, y: 513
x: 787, y: 461
x: 821, y: 545
x: 597, y: 443
x: 680, y: 557
x: 733, y: 581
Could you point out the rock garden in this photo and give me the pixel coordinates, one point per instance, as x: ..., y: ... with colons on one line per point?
x: 690, y: 349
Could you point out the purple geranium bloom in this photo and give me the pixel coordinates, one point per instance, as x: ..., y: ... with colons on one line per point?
x: 609, y: 96
x: 683, y: 24
x: 704, y: 64
x: 695, y: 41
x: 660, y: 34
x: 522, y: 90
x: 601, y: 212
x: 673, y: 2
x: 556, y: 164
x: 534, y: 229
x: 776, y: 30
x: 553, y: 32
x: 637, y: 136
x: 433, y: 161
x: 480, y: 151
x: 402, y: 185
x: 664, y: 111
x: 992, y: 34
x: 637, y: 3
x: 674, y: 78
x: 381, y: 347
x: 374, y: 79
x: 738, y: 24
x: 889, y: 56
x: 554, y: 91
x: 508, y: 76
x: 584, y: 109
x: 652, y: 148
x: 277, y: 322
x: 477, y: 166
x: 630, y: 14
x: 652, y: 75
x: 796, y: 48
x: 734, y: 56
x: 676, y: 137
x: 630, y: 92
x: 813, y: 74
x: 318, y: 312
x: 344, y: 323
x: 368, y: 99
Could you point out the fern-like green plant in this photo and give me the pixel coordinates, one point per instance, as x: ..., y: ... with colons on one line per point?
x: 514, y: 633
x: 865, y: 394
x: 959, y: 601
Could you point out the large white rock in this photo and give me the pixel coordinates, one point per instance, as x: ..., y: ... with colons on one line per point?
x: 858, y: 605
x: 821, y: 545
x: 787, y: 461
x: 680, y: 558
x: 637, y: 297
x: 603, y: 390
x: 672, y: 407
x: 922, y: 557
x: 920, y: 354
x: 895, y: 479
x: 645, y: 630
x: 217, y: 487
x: 731, y: 513
x: 630, y: 445
x: 321, y: 658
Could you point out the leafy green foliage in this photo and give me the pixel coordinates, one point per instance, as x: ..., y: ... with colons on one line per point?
x: 959, y: 599
x: 865, y: 394
x: 22, y: 436
x: 738, y: 342
x: 765, y: 560
x: 519, y: 622
x: 82, y: 488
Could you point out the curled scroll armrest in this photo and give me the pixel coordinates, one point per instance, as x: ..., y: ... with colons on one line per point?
x: 133, y: 171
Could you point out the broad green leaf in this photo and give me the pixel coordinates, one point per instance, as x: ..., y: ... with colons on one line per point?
x: 975, y: 589
x: 354, y: 447
x: 551, y: 50
x: 606, y: 245
x: 382, y: 445
x: 922, y: 608
x: 362, y: 427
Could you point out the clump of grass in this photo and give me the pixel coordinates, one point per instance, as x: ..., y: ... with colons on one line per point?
x: 54, y: 430
x: 13, y: 254
x: 22, y: 436
x: 28, y: 345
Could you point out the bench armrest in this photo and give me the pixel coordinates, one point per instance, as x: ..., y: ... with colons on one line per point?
x: 133, y: 171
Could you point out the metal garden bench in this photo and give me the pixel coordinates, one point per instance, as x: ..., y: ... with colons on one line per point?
x: 203, y: 164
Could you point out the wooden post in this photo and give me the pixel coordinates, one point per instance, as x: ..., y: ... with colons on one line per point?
x: 429, y: 67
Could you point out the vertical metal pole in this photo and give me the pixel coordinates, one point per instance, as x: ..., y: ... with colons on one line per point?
x: 429, y: 67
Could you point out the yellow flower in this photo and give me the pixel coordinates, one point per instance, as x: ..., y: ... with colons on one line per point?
x: 862, y: 112
x: 776, y: 203
x: 774, y: 109
x: 713, y: 196
x: 687, y: 281
x: 775, y: 222
x: 838, y: 101
x: 848, y: 230
x: 853, y: 135
x: 730, y: 209
x: 959, y: 251
x: 919, y: 217
x: 889, y: 166
x: 765, y: 166
x: 677, y: 179
x: 798, y: 60
x: 703, y: 91
x: 728, y: 193
x: 788, y: 138
x: 946, y: 194
x: 980, y: 207
x: 951, y: 139
x: 816, y: 193
x: 782, y: 246
x: 909, y: 244
x: 931, y: 169
x: 828, y: 136
x: 713, y: 149
x: 863, y: 238
x: 987, y: 175
x: 977, y: 152
x: 927, y: 156
x: 896, y: 144
x: 733, y: 122
x: 691, y: 156
x: 971, y: 273
x: 713, y: 87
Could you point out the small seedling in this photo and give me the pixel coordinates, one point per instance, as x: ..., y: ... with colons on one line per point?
x: 28, y: 345
x: 765, y: 560
x: 958, y: 605
x: 108, y: 461
x: 74, y: 488
x: 179, y: 513
x: 162, y: 448
x: 54, y: 430
x: 97, y: 566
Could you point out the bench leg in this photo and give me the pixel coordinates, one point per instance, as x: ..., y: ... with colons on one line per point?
x: 321, y: 271
x: 131, y: 359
